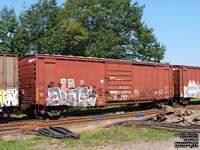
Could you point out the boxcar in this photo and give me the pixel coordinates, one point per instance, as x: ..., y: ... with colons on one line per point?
x: 8, y: 82
x: 54, y: 82
x: 186, y: 83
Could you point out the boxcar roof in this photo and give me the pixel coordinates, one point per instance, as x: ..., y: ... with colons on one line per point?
x: 184, y: 66
x: 2, y: 53
x: 95, y: 59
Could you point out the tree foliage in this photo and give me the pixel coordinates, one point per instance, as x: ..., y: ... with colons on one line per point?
x: 8, y: 24
x: 97, y: 28
x: 115, y: 30
x: 38, y: 26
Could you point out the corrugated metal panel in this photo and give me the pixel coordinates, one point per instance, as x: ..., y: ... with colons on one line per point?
x: 8, y: 79
x: 119, y: 82
x: 152, y: 83
x: 10, y: 72
x: 1, y: 72
x: 27, y: 80
x: 188, y: 81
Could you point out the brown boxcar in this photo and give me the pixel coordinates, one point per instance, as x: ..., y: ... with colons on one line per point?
x: 8, y: 80
x: 79, y: 81
x: 186, y: 82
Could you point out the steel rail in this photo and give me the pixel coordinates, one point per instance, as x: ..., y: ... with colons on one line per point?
x: 78, y: 121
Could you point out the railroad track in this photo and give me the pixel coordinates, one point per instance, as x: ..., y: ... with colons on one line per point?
x: 26, y: 125
x: 193, y: 107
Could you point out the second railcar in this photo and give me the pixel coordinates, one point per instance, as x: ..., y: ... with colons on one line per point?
x: 186, y: 83
x: 8, y: 83
x: 49, y: 84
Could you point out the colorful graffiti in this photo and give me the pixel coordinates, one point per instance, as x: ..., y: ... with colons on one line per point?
x: 10, y: 97
x: 192, y: 90
x: 79, y: 96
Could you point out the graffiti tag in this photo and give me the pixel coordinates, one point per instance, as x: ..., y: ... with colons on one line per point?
x: 192, y: 90
x: 80, y: 96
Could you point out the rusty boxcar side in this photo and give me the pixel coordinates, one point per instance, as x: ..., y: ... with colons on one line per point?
x: 138, y: 82
x: 8, y: 80
x: 186, y: 82
x: 79, y: 81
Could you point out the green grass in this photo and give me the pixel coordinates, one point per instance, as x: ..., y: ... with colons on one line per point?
x: 118, y: 135
x: 23, y: 144
x: 95, y: 137
x: 76, y: 109
x: 16, y: 145
x: 18, y: 116
x: 194, y: 100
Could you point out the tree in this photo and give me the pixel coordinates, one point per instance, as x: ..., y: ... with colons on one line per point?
x: 75, y: 36
x: 114, y: 30
x: 38, y: 28
x: 8, y: 24
x: 97, y: 28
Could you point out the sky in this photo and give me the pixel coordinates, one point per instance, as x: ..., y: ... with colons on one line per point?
x: 176, y: 25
